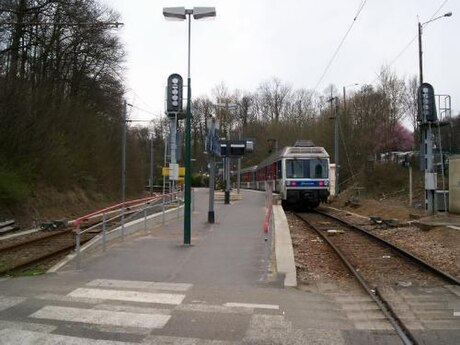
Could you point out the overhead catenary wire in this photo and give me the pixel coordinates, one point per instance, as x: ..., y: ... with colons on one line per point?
x: 336, y: 52
x: 401, y: 53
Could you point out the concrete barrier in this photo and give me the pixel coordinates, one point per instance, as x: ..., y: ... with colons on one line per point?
x: 284, y: 253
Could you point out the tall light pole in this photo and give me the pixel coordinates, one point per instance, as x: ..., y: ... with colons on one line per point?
x: 181, y: 13
x: 427, y: 135
x: 420, y: 50
x: 345, y: 97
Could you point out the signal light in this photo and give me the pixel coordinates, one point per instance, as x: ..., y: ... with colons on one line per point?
x: 174, y: 94
x: 426, y: 104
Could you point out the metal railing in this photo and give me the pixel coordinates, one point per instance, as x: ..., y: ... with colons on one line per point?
x: 117, y: 216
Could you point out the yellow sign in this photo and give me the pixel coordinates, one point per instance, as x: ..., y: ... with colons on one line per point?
x: 165, y: 171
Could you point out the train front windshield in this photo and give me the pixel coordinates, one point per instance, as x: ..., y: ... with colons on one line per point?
x: 307, y: 168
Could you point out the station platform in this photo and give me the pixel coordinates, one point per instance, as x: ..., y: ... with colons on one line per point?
x: 150, y: 289
x: 449, y: 220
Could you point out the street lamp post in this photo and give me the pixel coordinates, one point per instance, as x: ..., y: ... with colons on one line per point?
x: 181, y: 13
x: 427, y: 135
x: 345, y: 97
x: 420, y: 51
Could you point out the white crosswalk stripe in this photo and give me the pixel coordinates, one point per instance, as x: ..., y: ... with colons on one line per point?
x: 138, y: 285
x: 8, y: 302
x: 130, y: 309
x: 253, y: 306
x: 101, y: 317
x: 20, y: 337
x: 128, y: 295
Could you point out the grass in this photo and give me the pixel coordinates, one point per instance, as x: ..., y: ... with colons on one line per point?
x: 30, y: 272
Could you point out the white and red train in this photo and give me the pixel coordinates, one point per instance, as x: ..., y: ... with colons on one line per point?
x: 299, y: 173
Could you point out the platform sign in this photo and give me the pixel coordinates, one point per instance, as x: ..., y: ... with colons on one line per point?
x: 236, y: 148
x: 166, y: 172
x: 212, y: 140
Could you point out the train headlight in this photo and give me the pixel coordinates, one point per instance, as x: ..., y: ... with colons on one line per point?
x: 326, y: 183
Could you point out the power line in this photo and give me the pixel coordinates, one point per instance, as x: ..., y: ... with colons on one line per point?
x: 409, y: 43
x: 439, y: 9
x: 143, y: 110
x: 361, y: 6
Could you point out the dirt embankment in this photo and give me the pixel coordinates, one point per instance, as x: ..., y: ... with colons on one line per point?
x: 47, y: 203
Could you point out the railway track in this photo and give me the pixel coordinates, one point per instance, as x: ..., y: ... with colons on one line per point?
x: 35, y: 252
x: 376, y: 264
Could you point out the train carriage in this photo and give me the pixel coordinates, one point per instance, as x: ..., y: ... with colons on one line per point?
x: 299, y: 173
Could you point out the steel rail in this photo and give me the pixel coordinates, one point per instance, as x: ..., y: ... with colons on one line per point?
x: 26, y: 243
x: 394, y: 247
x: 406, y: 337
x: 44, y: 257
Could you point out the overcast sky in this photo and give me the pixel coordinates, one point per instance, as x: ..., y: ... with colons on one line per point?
x: 251, y: 41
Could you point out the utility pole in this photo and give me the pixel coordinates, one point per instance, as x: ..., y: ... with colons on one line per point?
x: 123, y: 169
x: 336, y: 142
x: 212, y: 166
x: 427, y: 117
x: 151, y: 165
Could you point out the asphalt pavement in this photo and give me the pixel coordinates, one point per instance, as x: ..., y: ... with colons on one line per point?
x: 221, y: 290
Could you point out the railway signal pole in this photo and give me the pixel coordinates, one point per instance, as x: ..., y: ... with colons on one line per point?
x: 426, y: 116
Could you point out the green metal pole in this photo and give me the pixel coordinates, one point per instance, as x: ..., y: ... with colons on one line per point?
x: 188, y: 165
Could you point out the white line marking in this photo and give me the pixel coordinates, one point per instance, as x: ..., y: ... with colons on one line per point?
x: 456, y: 313
x: 8, y: 302
x: 101, y: 317
x: 27, y: 326
x: 254, y: 306
x: 15, y: 337
x: 131, y: 284
x: 132, y: 296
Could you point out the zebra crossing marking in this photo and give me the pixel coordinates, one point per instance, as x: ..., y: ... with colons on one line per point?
x: 131, y: 296
x: 8, y: 302
x: 21, y: 337
x: 139, y: 285
x: 101, y: 317
x: 253, y: 306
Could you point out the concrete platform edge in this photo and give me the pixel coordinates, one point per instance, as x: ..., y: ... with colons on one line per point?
x: 284, y: 251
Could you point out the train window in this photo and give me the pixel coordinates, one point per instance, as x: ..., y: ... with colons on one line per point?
x: 306, y: 168
x: 294, y: 168
x: 320, y: 167
x: 318, y: 171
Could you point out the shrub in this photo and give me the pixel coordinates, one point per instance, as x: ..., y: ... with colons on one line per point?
x: 386, y: 178
x: 13, y: 188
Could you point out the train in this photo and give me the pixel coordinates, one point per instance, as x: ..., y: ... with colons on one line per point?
x: 299, y: 173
